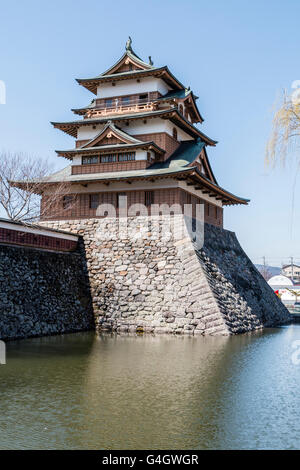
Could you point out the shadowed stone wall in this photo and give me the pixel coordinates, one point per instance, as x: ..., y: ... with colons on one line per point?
x: 174, y: 284
x: 42, y: 293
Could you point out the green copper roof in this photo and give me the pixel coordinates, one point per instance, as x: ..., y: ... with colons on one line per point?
x: 186, y: 154
x: 176, y: 94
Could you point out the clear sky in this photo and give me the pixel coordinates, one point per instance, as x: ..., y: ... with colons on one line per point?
x: 237, y: 56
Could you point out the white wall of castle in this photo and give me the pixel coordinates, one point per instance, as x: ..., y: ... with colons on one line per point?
x: 136, y: 127
x: 130, y: 87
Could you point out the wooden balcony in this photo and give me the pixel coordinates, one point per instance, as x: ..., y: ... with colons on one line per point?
x: 120, y: 107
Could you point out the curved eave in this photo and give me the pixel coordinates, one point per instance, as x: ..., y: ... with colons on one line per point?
x: 81, y: 111
x: 190, y: 174
x: 107, y: 148
x: 212, y: 189
x: 185, y: 123
x: 196, y: 110
x: 172, y: 114
x: 162, y: 72
x: 172, y: 99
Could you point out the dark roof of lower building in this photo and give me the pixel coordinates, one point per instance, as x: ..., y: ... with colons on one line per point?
x: 42, y: 228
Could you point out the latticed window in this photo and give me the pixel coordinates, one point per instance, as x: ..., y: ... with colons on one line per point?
x: 109, y: 158
x: 125, y: 100
x: 149, y: 198
x: 90, y: 160
x: 94, y: 201
x: 126, y: 157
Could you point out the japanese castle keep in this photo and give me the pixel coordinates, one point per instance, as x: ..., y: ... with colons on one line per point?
x: 139, y: 150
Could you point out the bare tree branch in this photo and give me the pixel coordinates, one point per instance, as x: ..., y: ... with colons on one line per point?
x: 286, y: 130
x: 22, y: 182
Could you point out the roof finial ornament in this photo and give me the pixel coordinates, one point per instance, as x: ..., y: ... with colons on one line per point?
x: 128, y: 44
x: 150, y: 60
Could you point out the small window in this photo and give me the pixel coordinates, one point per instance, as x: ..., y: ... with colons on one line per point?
x: 143, y: 98
x: 67, y: 202
x: 109, y: 103
x: 126, y: 157
x: 94, y: 201
x: 149, y: 198
x: 175, y: 133
x: 125, y: 100
x: 90, y: 160
x: 109, y: 158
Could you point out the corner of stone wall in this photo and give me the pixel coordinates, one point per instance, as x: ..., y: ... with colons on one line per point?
x: 196, y: 285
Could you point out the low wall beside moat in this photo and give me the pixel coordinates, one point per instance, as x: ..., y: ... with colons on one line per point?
x: 176, y: 284
x: 44, y: 290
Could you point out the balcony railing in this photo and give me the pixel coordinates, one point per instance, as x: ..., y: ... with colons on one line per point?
x: 121, y: 107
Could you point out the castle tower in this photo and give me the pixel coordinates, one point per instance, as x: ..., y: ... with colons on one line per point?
x: 139, y: 137
x: 138, y: 145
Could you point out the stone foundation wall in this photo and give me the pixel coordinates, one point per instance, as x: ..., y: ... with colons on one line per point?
x: 176, y: 284
x: 42, y: 293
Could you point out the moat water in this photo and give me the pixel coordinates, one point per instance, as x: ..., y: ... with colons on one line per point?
x: 84, y: 391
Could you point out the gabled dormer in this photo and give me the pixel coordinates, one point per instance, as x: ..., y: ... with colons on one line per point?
x: 111, y: 135
x: 129, y: 61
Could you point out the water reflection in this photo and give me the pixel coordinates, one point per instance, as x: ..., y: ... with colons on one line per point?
x: 128, y: 392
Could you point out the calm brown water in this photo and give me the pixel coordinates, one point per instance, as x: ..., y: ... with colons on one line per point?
x: 88, y: 392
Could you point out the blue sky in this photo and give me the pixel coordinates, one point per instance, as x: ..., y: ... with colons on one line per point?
x: 236, y: 55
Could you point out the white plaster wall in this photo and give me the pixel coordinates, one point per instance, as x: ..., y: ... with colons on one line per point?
x: 76, y: 160
x: 130, y: 87
x: 153, y: 125
x: 136, y: 127
x: 87, y: 132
